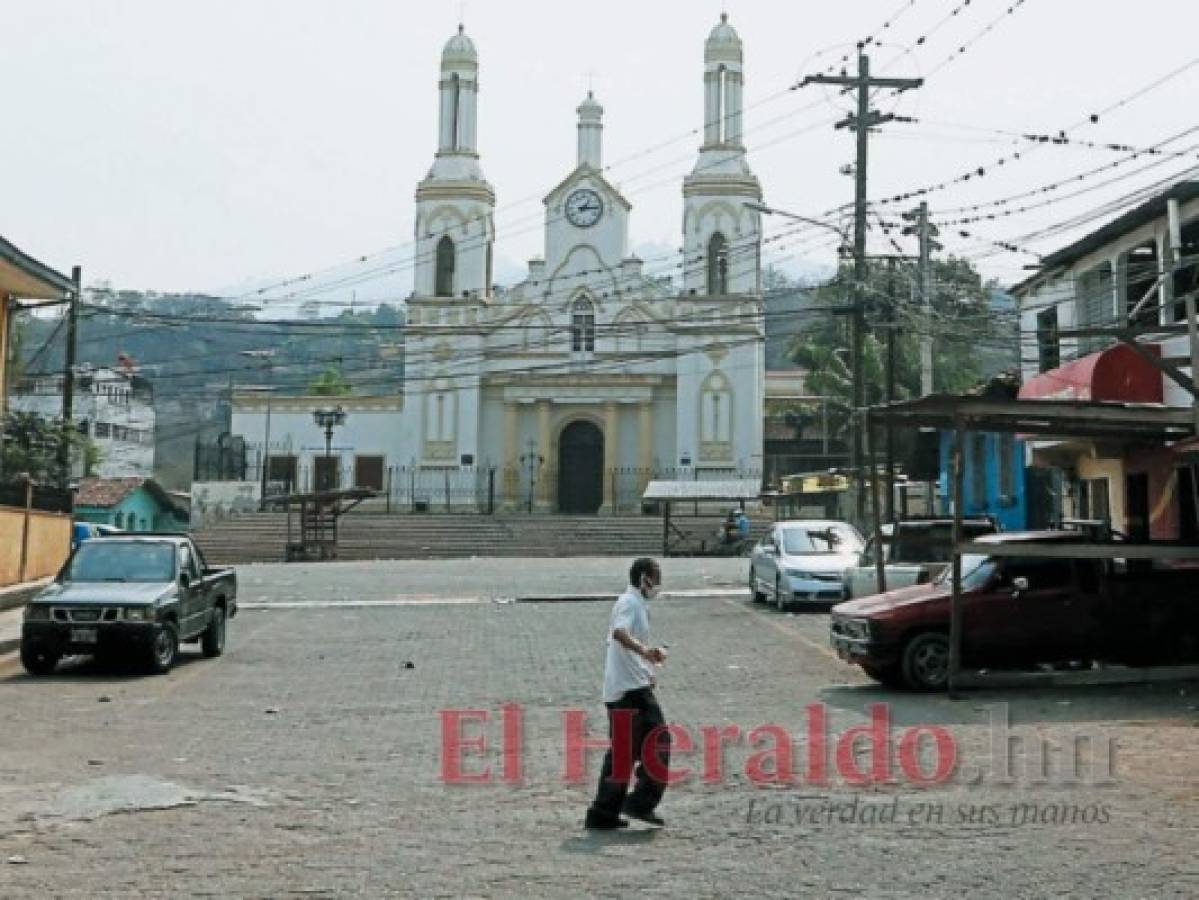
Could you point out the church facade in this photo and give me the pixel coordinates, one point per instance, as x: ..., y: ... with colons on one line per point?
x: 598, y: 370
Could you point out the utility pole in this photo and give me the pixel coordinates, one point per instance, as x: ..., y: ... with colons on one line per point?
x: 925, y: 232
x: 865, y: 119
x: 68, y: 376
x: 892, y: 360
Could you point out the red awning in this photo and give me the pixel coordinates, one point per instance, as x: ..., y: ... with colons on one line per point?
x: 1116, y: 374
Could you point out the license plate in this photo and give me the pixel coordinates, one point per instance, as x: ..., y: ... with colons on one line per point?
x: 83, y: 635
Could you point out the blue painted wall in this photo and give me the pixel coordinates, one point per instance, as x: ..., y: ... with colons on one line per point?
x: 140, y: 511
x: 987, y: 491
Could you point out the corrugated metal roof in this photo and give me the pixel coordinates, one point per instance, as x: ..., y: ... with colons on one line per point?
x: 744, y: 489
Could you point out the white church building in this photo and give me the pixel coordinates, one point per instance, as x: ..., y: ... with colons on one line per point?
x: 592, y: 370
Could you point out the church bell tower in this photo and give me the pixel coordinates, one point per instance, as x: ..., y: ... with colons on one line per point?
x: 721, y: 235
x: 455, y: 206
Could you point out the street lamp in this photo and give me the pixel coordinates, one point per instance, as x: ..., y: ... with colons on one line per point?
x: 842, y: 233
x: 268, y: 356
x: 328, y: 419
x: 858, y: 329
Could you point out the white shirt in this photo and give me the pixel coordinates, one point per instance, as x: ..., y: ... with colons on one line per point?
x: 624, y: 670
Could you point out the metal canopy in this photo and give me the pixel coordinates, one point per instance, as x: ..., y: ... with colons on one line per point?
x: 1120, y: 422
x: 703, y: 491
x: 1061, y: 418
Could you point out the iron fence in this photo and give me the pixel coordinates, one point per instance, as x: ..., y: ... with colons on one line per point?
x: 473, y: 490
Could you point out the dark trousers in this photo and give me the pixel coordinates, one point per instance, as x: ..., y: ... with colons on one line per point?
x: 646, y: 715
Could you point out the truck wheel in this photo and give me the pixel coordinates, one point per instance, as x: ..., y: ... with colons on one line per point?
x: 925, y: 663
x: 890, y: 676
x: 164, y: 648
x: 212, y: 644
x: 757, y: 595
x: 37, y: 660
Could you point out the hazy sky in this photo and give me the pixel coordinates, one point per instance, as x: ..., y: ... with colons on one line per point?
x: 175, y: 145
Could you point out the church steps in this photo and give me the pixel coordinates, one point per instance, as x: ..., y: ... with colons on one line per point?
x: 262, y: 537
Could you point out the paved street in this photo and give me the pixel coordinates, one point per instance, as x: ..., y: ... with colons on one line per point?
x: 306, y: 762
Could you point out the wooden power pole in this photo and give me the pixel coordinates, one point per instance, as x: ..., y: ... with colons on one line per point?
x: 862, y: 121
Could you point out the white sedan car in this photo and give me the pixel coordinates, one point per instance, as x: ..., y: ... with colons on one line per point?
x: 804, y: 561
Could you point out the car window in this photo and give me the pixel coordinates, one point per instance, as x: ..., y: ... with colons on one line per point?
x: 107, y: 561
x: 186, y: 563
x: 831, y: 538
x: 1042, y: 574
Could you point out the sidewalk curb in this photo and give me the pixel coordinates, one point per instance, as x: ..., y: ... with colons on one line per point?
x: 713, y: 594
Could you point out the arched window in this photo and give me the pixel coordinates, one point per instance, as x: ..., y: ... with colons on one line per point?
x: 718, y: 265
x: 582, y: 326
x: 716, y: 416
x: 631, y: 331
x: 444, y: 286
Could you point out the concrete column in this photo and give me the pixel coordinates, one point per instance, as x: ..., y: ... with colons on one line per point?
x: 509, y: 473
x: 733, y: 134
x: 645, y: 442
x: 545, y: 483
x: 611, y: 450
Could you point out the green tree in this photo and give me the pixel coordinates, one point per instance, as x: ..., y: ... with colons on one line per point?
x: 32, y: 446
x: 330, y: 383
x: 961, y: 324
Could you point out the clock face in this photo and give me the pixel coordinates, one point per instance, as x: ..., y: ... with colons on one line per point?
x: 584, y: 207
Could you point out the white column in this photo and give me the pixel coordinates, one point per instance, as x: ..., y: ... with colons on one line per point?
x: 469, y: 126
x: 735, y: 84
x: 445, y: 140
x: 711, y: 108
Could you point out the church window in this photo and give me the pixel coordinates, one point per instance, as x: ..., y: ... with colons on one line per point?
x: 582, y: 326
x: 444, y: 286
x: 716, y: 410
x: 718, y: 265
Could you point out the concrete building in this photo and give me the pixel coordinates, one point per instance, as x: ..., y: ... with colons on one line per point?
x: 23, y: 279
x: 113, y: 407
x: 592, y: 373
x: 131, y: 504
x: 1122, y: 276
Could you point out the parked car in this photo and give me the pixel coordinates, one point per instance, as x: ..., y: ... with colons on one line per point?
x: 138, y: 596
x: 1023, y: 611
x: 804, y: 561
x: 915, y: 551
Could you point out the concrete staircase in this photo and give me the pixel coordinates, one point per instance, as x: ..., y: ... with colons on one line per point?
x: 262, y: 537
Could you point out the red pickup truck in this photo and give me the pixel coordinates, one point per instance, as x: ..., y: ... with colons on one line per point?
x: 1023, y: 611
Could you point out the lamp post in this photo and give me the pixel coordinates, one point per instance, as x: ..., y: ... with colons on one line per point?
x: 267, y: 356
x: 328, y: 419
x: 842, y: 250
x: 856, y: 312
x: 534, y: 461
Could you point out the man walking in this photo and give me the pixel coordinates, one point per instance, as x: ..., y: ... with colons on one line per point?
x: 633, y: 711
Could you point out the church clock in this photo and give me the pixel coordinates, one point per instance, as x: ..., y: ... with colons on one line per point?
x: 584, y: 208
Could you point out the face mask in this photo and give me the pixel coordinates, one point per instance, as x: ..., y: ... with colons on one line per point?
x: 649, y: 590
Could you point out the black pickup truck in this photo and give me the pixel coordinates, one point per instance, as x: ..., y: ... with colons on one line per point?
x: 137, y: 595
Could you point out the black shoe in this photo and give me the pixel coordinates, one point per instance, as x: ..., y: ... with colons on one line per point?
x: 633, y: 812
x: 603, y: 821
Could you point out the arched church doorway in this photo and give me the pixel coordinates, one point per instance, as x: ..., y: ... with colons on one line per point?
x: 580, y: 469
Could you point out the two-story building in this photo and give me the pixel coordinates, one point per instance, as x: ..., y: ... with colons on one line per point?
x: 114, y: 407
x: 1101, y: 320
